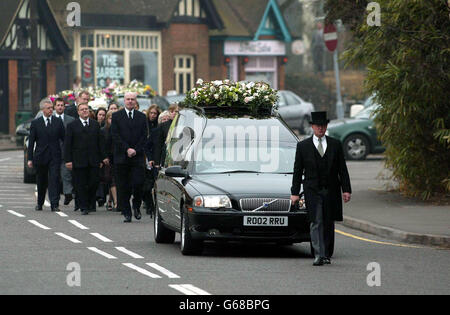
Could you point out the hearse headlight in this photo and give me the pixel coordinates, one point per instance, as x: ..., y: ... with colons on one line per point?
x: 219, y: 201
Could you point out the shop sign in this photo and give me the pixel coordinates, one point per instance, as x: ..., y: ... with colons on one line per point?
x: 255, y: 48
x: 87, y: 67
x: 110, y: 64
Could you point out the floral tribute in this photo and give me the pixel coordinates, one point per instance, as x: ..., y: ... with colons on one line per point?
x: 258, y: 97
x: 101, y: 97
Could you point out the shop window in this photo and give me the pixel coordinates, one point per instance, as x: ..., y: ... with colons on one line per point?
x: 24, y: 84
x: 144, y: 67
x: 184, y: 73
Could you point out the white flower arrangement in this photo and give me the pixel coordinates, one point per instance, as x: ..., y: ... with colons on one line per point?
x: 257, y: 96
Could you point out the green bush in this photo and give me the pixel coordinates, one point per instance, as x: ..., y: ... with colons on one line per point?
x: 408, y: 62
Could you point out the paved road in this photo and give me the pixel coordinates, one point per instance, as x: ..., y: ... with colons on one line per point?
x: 118, y: 258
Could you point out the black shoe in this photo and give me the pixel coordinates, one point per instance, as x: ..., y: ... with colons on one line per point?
x: 319, y: 261
x: 84, y: 212
x: 101, y: 202
x: 127, y: 219
x: 67, y: 199
x: 327, y: 261
x: 55, y: 209
x: 76, y: 208
x: 38, y: 208
x: 137, y: 214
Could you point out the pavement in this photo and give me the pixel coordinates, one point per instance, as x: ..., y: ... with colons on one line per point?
x: 377, y: 208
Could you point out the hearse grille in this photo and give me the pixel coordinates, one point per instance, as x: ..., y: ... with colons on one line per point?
x: 265, y: 205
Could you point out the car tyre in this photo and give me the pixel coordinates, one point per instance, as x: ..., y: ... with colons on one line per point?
x: 356, y: 147
x: 162, y: 234
x: 189, y: 246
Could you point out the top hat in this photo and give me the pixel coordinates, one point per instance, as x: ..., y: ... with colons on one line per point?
x: 319, y: 118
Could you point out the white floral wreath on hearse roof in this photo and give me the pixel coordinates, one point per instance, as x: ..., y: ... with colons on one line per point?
x: 256, y: 96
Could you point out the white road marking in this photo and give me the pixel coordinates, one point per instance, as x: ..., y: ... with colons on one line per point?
x: 16, y: 214
x: 69, y: 238
x: 98, y: 251
x: 142, y: 271
x: 78, y: 225
x: 39, y: 225
x: 188, y: 289
x: 101, y: 237
x: 12, y: 191
x: 164, y: 271
x: 61, y: 214
x: 129, y: 253
x: 7, y: 159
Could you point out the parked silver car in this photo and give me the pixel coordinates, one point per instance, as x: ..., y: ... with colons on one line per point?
x: 295, y: 111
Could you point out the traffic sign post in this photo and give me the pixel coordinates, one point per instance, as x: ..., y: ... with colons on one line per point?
x: 330, y: 36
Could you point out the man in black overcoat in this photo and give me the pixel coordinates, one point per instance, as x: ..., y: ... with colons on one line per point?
x: 320, y: 159
x: 129, y: 135
x: 46, y: 133
x: 84, y: 153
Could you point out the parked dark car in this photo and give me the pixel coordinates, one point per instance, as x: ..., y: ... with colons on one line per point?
x: 208, y: 195
x: 358, y: 135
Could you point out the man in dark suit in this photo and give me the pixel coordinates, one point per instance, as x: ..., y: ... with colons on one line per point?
x: 66, y: 175
x: 84, y: 153
x: 129, y: 134
x: 46, y: 132
x: 72, y: 110
x: 321, y: 160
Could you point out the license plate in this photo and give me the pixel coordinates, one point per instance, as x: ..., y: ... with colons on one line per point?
x: 265, y: 221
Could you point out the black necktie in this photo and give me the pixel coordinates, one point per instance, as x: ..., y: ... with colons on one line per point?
x: 85, y: 123
x: 48, y: 122
x: 130, y: 115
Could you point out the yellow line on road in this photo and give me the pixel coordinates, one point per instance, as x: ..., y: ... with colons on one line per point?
x: 376, y: 242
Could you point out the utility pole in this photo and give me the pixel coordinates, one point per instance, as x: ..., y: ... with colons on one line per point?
x: 35, y: 62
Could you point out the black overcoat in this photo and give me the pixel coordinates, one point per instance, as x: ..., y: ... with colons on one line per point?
x: 47, y: 140
x: 338, y: 177
x: 129, y: 134
x: 84, y: 146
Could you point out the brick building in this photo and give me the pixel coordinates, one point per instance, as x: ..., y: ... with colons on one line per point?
x: 168, y: 44
x: 15, y: 59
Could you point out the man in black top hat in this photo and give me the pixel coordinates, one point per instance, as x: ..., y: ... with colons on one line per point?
x: 320, y: 159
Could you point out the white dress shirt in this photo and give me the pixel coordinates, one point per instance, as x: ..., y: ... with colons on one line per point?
x: 60, y: 116
x: 45, y: 120
x: 82, y: 121
x: 324, y: 143
x: 128, y: 113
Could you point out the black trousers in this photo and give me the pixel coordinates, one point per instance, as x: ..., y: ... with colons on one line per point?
x: 86, y: 181
x: 48, y: 177
x: 130, y: 181
x: 149, y: 183
x: 322, y: 228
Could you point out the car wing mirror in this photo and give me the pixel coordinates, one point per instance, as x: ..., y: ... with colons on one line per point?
x: 176, y: 171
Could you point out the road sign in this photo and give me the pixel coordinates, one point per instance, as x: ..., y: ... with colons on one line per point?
x: 330, y: 37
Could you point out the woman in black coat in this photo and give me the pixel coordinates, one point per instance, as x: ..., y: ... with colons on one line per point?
x: 150, y: 174
x: 108, y: 170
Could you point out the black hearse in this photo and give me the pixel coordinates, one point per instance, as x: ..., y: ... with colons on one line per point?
x: 227, y: 177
